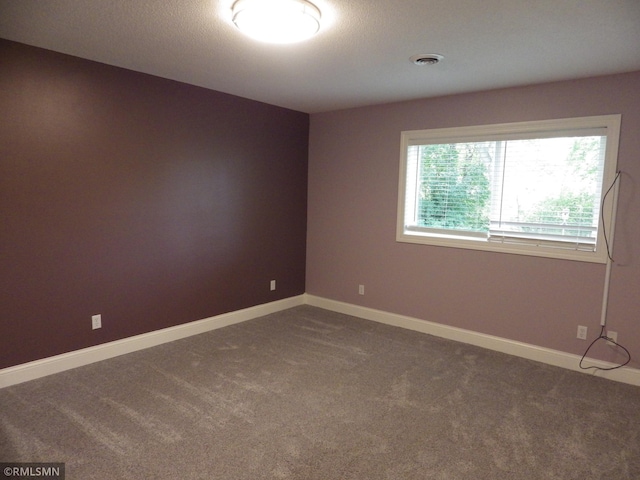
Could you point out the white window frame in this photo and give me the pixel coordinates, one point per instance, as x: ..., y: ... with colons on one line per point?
x: 609, y: 124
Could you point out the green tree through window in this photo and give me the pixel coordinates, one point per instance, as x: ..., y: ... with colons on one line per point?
x: 454, y: 188
x: 528, y: 188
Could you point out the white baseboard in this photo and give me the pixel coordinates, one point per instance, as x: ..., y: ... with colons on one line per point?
x: 519, y: 349
x: 66, y: 361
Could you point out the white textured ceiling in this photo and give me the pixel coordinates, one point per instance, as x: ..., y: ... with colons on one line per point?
x: 361, y: 55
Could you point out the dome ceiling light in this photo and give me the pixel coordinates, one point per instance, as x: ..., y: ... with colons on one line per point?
x: 276, y: 21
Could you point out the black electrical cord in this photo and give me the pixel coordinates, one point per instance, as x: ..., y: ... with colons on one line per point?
x: 604, y: 228
x: 602, y: 335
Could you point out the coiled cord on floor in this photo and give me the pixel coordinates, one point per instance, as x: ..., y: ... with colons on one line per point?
x: 604, y: 337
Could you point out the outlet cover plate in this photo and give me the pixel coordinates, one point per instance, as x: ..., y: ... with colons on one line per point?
x: 582, y: 332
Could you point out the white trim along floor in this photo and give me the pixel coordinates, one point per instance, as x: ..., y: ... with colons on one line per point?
x: 58, y: 363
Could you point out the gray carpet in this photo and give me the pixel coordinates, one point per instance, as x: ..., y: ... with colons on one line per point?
x: 311, y: 394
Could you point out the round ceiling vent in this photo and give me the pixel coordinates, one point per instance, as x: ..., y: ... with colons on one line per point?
x: 426, y: 58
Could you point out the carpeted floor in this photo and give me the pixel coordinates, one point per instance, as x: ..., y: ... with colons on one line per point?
x: 311, y: 394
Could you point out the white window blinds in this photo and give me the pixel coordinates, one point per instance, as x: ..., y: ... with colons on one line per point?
x: 520, y: 185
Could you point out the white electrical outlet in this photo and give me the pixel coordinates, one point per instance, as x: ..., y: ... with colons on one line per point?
x: 582, y: 332
x: 96, y: 321
x: 360, y: 289
x: 272, y: 285
x: 613, y: 336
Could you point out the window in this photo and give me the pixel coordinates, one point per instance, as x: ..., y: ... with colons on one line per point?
x: 532, y: 188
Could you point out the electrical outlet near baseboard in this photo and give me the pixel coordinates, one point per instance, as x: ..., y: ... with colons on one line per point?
x: 613, y: 336
x: 96, y: 321
x: 582, y: 332
x: 360, y: 289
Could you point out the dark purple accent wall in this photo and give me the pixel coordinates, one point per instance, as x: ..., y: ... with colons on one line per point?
x: 151, y: 202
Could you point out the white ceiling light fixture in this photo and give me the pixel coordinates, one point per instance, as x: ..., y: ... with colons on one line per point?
x: 276, y: 21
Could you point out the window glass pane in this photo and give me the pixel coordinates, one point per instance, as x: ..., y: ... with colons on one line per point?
x: 550, y: 188
x: 535, y: 188
x: 454, y: 187
x: 532, y: 188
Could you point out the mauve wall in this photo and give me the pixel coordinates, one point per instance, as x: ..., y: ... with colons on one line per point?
x: 353, y: 188
x: 151, y: 202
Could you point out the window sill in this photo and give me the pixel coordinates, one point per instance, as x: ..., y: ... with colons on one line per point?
x: 478, y: 243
